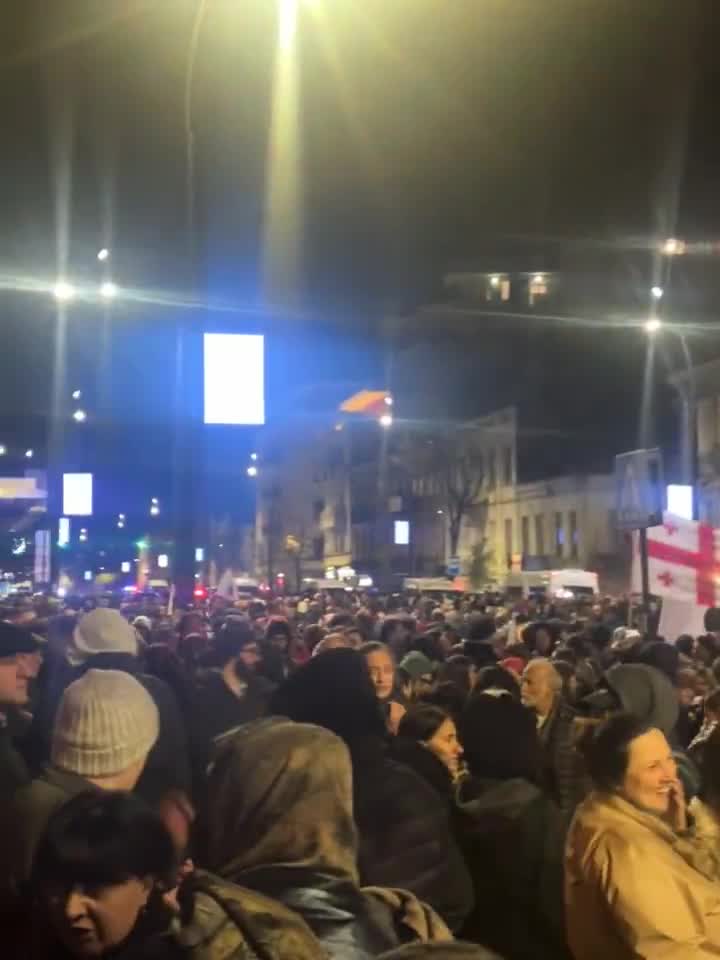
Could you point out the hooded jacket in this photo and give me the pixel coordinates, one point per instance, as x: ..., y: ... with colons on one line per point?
x: 288, y: 832
x: 511, y: 835
x: 633, y: 888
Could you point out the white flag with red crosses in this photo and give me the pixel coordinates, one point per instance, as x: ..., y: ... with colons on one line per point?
x: 683, y: 562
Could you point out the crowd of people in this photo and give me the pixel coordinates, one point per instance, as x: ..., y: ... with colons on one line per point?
x: 355, y: 776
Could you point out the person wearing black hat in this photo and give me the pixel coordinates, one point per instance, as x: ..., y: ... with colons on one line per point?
x: 510, y: 832
x: 15, y: 644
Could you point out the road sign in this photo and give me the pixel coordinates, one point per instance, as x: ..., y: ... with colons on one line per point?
x: 639, y: 489
x: 453, y: 567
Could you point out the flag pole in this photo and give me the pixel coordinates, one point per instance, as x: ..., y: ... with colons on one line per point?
x: 645, y: 578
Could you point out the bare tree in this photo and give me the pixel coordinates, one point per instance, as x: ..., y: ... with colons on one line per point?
x: 453, y: 465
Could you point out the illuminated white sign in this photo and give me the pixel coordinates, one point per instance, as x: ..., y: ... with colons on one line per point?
x: 78, y: 494
x: 234, y: 371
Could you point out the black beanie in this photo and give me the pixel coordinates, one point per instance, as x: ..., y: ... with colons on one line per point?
x: 14, y: 640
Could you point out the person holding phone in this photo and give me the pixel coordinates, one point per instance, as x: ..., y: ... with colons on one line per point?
x: 636, y: 884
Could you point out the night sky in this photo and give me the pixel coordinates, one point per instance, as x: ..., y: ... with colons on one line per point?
x: 430, y: 128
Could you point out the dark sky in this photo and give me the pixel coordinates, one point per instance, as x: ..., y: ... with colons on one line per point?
x: 428, y: 128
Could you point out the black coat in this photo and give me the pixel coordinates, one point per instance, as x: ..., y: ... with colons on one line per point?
x: 216, y: 710
x: 512, y: 837
x: 405, y: 833
x: 13, y: 770
x: 417, y: 756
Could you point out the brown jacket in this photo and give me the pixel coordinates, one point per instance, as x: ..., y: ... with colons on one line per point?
x: 633, y: 888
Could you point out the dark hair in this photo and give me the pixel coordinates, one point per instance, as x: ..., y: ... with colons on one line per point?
x: 481, y: 628
x: 375, y: 646
x: 279, y: 626
x: 496, y: 678
x: 100, y: 839
x: 456, y: 670
x: 499, y: 737
x: 338, y: 620
x: 422, y: 721
x: 163, y: 663
x: 448, y: 697
x: 235, y: 634
x: 606, y: 752
x: 684, y: 644
x: 711, y: 620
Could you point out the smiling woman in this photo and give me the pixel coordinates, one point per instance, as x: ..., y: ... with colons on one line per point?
x: 635, y: 882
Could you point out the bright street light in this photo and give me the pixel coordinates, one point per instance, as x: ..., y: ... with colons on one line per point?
x: 252, y: 471
x: 388, y: 401
x: 154, y: 501
x: 79, y: 416
x: 652, y: 325
x: 657, y: 293
x: 495, y: 280
x: 121, y: 524
x: 154, y: 510
x: 253, y: 456
x: 29, y: 453
x: 673, y: 247
x: 76, y: 394
x: 385, y: 420
x: 108, y: 290
x: 63, y: 291
x: 103, y: 254
x: 3, y: 449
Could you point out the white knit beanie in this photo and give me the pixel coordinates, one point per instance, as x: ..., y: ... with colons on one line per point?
x: 106, y: 721
x: 101, y: 631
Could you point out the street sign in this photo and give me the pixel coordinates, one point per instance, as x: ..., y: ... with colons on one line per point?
x: 453, y: 567
x: 639, y: 489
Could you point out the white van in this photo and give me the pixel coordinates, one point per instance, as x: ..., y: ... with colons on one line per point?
x: 552, y: 584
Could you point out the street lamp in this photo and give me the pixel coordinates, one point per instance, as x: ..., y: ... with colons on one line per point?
x: 652, y: 325
x: 3, y: 449
x: 83, y: 535
x: 79, y: 416
x: 252, y: 471
x: 29, y: 453
x: 154, y: 510
x: 108, y: 290
x: 76, y: 394
x: 673, y: 247
x: 385, y: 420
x: 103, y: 254
x: 253, y: 457
x: 63, y: 291
x: 657, y: 293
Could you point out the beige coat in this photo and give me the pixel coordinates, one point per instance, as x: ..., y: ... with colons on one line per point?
x: 633, y: 888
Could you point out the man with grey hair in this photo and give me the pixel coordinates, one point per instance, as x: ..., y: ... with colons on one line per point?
x: 561, y: 772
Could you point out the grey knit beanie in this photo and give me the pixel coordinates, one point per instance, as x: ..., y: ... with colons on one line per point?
x: 106, y: 721
x: 101, y: 631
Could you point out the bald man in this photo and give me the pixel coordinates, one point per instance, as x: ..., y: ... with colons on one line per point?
x: 562, y: 774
